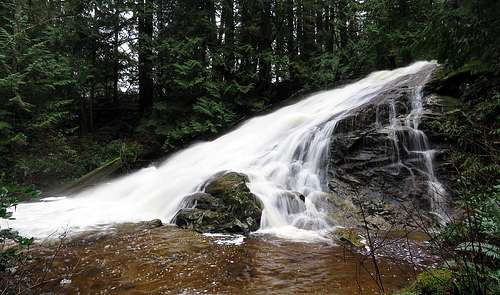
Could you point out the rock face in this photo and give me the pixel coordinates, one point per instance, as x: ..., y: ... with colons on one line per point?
x: 375, y: 160
x: 225, y: 206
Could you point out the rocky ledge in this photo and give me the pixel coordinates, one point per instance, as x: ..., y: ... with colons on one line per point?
x: 226, y: 205
x: 378, y: 165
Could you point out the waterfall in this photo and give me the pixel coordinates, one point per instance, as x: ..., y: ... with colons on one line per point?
x: 418, y: 149
x: 283, y: 153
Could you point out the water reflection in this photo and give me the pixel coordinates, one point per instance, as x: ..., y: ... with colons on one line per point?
x: 131, y: 259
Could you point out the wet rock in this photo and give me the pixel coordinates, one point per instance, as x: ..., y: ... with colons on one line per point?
x: 291, y: 202
x: 338, y: 210
x: 349, y: 237
x: 154, y: 223
x: 372, y: 162
x: 225, y: 206
x: 150, y: 224
x: 201, y: 200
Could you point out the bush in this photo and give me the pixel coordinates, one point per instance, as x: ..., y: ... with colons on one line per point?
x: 431, y: 282
x: 10, y: 240
x: 436, y: 282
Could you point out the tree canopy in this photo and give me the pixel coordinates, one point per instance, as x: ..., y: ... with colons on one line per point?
x: 167, y: 72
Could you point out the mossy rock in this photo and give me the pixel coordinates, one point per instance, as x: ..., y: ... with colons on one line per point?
x: 226, y: 182
x: 349, y: 236
x: 207, y: 221
x: 231, y: 190
x: 226, y: 206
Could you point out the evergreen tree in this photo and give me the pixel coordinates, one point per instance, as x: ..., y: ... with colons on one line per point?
x: 170, y: 71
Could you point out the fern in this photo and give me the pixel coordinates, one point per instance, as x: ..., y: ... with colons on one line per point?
x: 486, y: 249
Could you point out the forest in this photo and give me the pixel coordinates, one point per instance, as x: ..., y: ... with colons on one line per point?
x: 118, y: 85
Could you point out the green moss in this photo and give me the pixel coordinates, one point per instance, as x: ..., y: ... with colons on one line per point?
x: 450, y: 103
x: 229, y: 181
x: 227, y: 206
x: 349, y: 236
x: 435, y: 282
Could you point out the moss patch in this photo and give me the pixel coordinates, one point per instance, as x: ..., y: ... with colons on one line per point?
x: 435, y: 281
x: 349, y: 236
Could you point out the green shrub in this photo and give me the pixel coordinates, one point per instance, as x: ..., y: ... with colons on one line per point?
x: 11, y: 242
x: 435, y: 282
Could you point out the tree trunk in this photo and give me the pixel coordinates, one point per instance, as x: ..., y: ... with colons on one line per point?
x: 279, y: 24
x: 115, y: 57
x: 319, y: 25
x: 307, y: 42
x: 291, y: 47
x: 228, y: 24
x: 266, y: 40
x: 91, y: 108
x: 247, y: 14
x: 342, y: 21
x: 83, y: 116
x: 330, y: 27
x: 145, y: 55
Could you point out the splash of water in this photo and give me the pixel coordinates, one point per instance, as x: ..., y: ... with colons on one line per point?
x: 284, y: 153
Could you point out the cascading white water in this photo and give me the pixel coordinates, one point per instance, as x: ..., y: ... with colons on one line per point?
x: 282, y: 152
x: 418, y: 149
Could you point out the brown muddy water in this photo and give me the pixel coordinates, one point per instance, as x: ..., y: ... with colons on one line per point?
x: 132, y: 259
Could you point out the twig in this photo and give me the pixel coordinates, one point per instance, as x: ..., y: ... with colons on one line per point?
x: 372, y: 251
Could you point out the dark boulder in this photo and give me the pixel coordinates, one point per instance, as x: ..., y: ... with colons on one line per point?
x: 225, y: 206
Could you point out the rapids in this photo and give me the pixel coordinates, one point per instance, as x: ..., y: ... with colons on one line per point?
x: 283, y: 151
